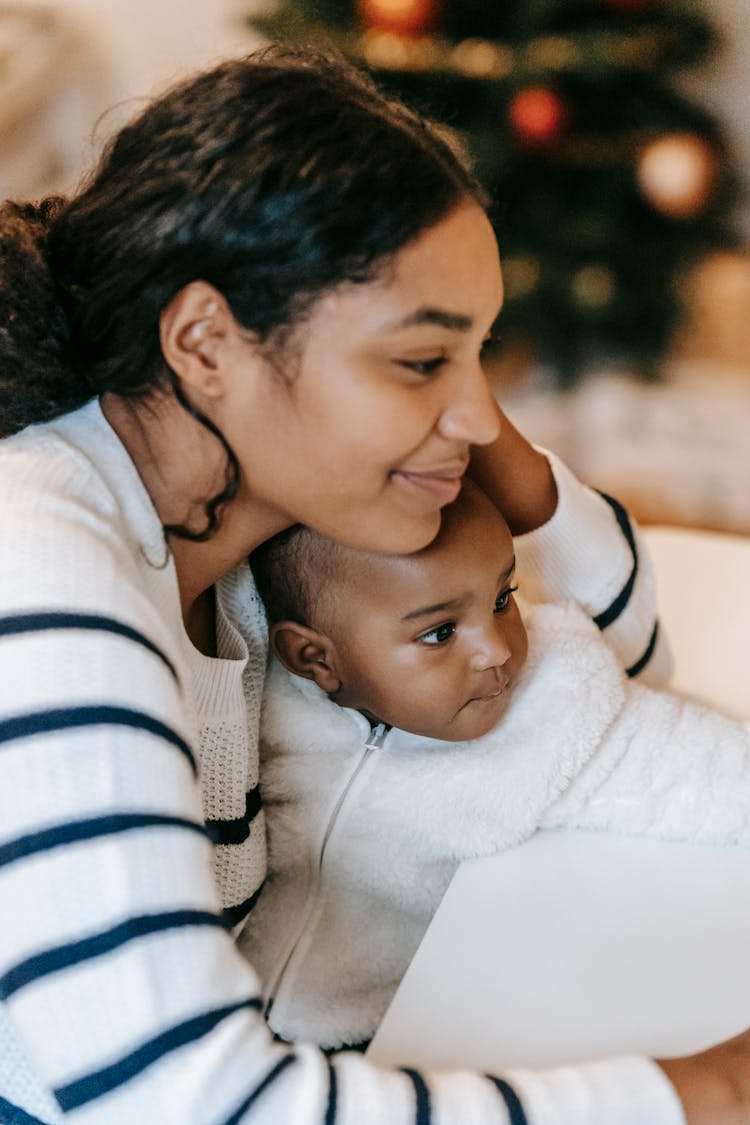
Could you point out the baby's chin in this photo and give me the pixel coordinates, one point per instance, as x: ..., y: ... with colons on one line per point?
x: 475, y: 719
x: 478, y: 717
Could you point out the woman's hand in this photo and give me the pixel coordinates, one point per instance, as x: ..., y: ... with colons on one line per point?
x: 516, y: 477
x: 714, y: 1086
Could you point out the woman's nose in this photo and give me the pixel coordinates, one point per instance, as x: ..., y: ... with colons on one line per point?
x: 473, y: 417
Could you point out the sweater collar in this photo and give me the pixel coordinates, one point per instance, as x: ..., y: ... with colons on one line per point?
x: 89, y: 431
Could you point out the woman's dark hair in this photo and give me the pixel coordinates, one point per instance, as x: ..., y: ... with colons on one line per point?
x: 274, y: 178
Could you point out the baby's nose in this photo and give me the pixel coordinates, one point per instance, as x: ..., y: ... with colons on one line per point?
x: 493, y: 653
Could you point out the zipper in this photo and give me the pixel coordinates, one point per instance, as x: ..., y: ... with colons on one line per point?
x: 375, y: 740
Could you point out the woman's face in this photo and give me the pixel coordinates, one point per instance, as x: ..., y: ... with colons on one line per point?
x: 368, y: 436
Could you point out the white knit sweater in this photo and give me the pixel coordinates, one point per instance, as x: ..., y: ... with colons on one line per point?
x: 366, y: 830
x: 124, y: 997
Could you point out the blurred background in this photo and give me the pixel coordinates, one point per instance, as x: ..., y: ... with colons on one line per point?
x: 614, y: 137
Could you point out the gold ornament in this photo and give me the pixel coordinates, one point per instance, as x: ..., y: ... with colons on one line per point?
x: 520, y: 276
x: 676, y: 174
x: 715, y: 299
x: 593, y: 286
x: 553, y: 52
x: 478, y: 58
x: 639, y: 51
x: 385, y: 51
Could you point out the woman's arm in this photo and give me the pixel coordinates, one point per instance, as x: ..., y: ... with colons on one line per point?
x: 573, y: 542
x: 715, y: 1085
x: 517, y: 478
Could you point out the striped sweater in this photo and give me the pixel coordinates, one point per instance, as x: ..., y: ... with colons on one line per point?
x: 131, y: 835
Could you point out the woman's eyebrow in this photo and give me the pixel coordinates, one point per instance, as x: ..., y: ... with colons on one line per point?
x: 443, y: 318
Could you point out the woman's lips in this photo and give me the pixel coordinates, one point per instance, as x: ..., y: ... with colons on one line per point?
x: 443, y: 484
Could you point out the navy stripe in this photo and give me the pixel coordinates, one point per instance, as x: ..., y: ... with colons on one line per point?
x: 281, y: 1065
x: 41, y: 622
x: 512, y: 1101
x: 330, y: 1116
x: 623, y: 520
x: 360, y: 1046
x: 639, y: 665
x: 101, y: 1082
x: 86, y: 949
x: 75, y: 830
x: 235, y: 914
x: 602, y: 620
x: 13, y: 1115
x: 236, y: 831
x: 423, y: 1113
x: 67, y: 718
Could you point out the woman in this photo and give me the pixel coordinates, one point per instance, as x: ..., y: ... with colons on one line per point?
x: 268, y: 306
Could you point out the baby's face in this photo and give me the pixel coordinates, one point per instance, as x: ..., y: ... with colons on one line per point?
x: 432, y: 642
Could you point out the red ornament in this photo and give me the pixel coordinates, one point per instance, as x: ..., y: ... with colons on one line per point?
x: 537, y: 115
x: 403, y: 17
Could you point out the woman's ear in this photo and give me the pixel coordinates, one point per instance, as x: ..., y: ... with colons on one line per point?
x: 307, y: 653
x: 194, y: 328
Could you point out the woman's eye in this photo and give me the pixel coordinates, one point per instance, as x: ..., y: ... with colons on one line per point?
x: 438, y: 635
x: 424, y: 366
x: 503, y: 600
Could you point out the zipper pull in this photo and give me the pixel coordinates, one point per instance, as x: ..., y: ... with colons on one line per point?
x: 377, y: 736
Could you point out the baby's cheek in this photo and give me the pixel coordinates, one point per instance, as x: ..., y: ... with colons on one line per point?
x: 521, y: 646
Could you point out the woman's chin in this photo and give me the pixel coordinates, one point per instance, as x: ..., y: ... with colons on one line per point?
x: 400, y: 536
x: 409, y: 536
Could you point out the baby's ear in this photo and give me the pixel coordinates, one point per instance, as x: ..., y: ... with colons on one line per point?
x: 306, y: 652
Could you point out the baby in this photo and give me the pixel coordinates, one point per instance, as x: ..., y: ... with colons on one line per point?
x: 414, y: 719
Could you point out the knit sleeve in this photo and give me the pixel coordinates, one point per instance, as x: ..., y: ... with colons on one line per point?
x: 591, y: 552
x: 119, y: 979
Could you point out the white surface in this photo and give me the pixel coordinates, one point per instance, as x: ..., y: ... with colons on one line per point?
x: 578, y: 946
x: 703, y: 580
x: 581, y: 945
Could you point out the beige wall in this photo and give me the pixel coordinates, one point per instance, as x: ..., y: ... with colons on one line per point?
x: 725, y: 85
x: 127, y: 50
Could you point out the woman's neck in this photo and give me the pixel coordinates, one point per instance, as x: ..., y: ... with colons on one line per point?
x: 181, y: 465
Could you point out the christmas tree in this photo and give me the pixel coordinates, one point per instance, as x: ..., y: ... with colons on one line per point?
x: 607, y: 182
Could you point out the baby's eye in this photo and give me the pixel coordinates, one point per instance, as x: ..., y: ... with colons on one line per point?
x: 503, y: 599
x: 439, y: 635
x: 424, y: 366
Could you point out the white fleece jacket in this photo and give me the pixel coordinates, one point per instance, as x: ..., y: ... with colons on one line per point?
x: 365, y: 832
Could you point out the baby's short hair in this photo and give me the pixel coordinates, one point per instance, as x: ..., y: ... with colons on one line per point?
x: 299, y: 572
x: 291, y: 572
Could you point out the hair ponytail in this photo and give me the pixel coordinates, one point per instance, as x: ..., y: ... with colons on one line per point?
x: 36, y: 380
